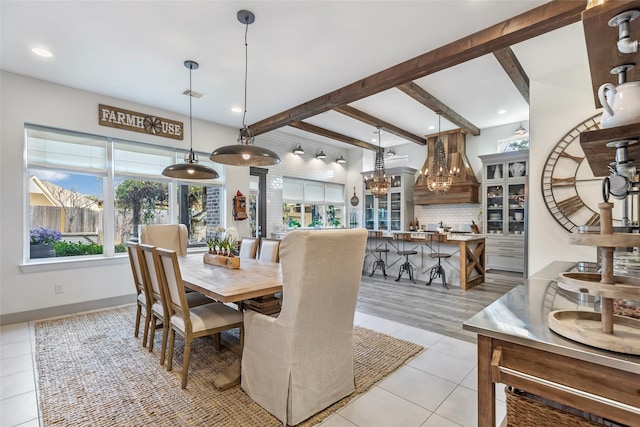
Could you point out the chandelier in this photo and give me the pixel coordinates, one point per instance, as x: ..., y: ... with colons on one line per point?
x: 378, y: 183
x: 439, y: 180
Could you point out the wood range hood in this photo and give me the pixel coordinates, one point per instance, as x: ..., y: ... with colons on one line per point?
x: 464, y: 186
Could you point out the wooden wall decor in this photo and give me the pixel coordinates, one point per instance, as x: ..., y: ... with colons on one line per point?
x: 464, y: 186
x: 139, y: 122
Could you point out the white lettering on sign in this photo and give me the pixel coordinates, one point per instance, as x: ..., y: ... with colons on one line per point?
x: 139, y: 122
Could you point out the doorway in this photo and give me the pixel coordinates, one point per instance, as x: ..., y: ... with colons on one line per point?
x: 258, y: 202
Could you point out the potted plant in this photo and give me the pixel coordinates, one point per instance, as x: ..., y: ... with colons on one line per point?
x: 42, y: 239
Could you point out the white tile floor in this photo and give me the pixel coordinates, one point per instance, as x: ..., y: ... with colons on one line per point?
x: 438, y: 388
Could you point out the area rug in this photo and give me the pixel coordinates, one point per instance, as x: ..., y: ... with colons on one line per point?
x: 93, y: 372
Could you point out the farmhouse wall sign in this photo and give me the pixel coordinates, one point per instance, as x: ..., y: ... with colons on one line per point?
x: 139, y: 122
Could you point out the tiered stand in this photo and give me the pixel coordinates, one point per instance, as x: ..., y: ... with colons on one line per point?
x: 602, y: 330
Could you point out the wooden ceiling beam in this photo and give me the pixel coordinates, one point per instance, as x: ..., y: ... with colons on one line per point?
x: 308, y: 127
x: 514, y: 70
x: 433, y: 103
x: 354, y: 113
x: 547, y: 17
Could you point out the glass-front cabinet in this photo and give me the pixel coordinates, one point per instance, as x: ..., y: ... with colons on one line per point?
x: 394, y: 211
x: 504, y: 201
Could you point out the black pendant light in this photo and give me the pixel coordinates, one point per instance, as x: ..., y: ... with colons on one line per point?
x: 190, y: 169
x: 245, y: 152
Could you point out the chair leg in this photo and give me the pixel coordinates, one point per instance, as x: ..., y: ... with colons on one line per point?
x: 138, y: 315
x: 172, y: 339
x: 147, y: 319
x: 185, y: 361
x: 153, y: 332
x: 444, y: 279
x: 163, y: 347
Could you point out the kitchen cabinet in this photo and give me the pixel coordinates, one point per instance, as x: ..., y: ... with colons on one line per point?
x: 394, y: 211
x: 504, y: 202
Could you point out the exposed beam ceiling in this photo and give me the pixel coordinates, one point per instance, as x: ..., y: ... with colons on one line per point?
x: 547, y: 17
x: 308, y: 127
x: 514, y: 70
x: 425, y: 98
x: 356, y: 114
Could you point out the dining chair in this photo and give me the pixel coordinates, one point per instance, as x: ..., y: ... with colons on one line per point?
x: 143, y: 300
x: 249, y: 247
x: 158, y: 301
x: 191, y: 322
x: 300, y: 362
x: 269, y: 249
x: 169, y: 236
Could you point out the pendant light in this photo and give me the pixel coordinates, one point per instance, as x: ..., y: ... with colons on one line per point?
x: 379, y: 183
x: 245, y: 152
x: 190, y: 169
x: 439, y: 180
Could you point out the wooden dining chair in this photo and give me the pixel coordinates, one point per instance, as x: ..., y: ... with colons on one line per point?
x: 143, y: 300
x: 249, y: 247
x: 269, y: 250
x: 159, y: 300
x: 191, y: 322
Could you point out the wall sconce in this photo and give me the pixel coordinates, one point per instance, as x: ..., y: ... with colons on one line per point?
x: 391, y: 152
x: 298, y: 150
x: 321, y: 155
x: 340, y: 159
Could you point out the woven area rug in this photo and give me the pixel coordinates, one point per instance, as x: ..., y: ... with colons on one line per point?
x: 93, y: 372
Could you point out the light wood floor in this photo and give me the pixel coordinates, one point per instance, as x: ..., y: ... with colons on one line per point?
x: 432, y: 308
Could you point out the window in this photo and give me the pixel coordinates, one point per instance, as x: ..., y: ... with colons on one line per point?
x: 312, y: 203
x: 88, y: 194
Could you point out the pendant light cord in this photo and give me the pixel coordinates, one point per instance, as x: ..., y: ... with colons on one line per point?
x: 246, y: 70
x: 190, y: 115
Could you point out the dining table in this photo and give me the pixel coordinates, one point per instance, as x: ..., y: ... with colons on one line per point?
x: 253, y: 279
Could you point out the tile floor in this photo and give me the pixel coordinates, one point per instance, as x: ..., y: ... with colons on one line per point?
x: 437, y: 388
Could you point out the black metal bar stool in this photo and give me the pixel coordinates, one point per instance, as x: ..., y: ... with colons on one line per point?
x: 376, y: 249
x: 437, y: 270
x: 406, y: 266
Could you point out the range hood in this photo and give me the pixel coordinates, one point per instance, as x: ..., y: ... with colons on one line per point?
x: 464, y: 186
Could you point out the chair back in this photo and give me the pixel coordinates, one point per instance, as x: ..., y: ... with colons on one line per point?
x: 135, y: 255
x: 249, y: 247
x: 171, y: 281
x: 155, y: 289
x: 269, y: 250
x: 168, y: 236
x: 321, y: 273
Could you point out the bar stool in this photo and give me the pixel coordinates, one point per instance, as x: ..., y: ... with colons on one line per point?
x: 377, y: 250
x: 437, y: 270
x: 406, y: 266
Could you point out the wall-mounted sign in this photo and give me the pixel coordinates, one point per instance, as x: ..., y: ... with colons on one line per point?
x: 139, y: 122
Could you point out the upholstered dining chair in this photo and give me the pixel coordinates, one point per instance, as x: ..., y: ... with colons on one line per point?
x: 159, y: 310
x: 169, y: 236
x: 191, y: 322
x: 143, y: 300
x: 300, y: 362
x: 269, y: 249
x: 249, y: 247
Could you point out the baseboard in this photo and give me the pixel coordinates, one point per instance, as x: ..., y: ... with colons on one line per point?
x: 62, y: 310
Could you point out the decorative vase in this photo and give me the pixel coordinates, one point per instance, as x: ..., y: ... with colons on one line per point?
x: 497, y: 174
x: 42, y: 251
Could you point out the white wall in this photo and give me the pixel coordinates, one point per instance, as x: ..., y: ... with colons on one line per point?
x: 25, y: 100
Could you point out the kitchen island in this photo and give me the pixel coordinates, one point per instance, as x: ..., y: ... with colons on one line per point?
x: 465, y: 267
x: 517, y: 348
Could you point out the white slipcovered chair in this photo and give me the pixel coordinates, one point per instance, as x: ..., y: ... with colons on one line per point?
x: 299, y: 363
x: 168, y: 236
x: 269, y: 249
x: 249, y: 247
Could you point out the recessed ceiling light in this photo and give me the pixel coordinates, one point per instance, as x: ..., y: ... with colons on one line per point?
x: 431, y: 127
x: 236, y: 110
x: 502, y: 111
x: 40, y: 51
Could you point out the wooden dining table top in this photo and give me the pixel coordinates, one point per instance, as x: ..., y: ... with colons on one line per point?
x: 253, y: 279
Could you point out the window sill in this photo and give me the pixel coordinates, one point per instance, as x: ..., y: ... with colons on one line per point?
x: 66, y: 263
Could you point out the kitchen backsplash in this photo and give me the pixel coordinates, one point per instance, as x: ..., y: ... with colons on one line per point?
x: 458, y: 216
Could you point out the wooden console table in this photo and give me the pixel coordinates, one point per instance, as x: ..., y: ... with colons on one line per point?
x: 517, y: 348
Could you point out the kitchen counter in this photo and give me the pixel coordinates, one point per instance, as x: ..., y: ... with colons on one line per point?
x: 467, y: 256
x: 517, y: 348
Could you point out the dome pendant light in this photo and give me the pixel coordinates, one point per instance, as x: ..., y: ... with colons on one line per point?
x: 245, y: 152
x: 190, y: 169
